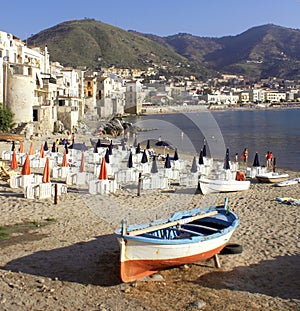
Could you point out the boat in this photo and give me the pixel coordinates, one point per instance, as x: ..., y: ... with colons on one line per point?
x: 210, y: 185
x: 187, y: 237
x: 289, y: 182
x: 272, y: 177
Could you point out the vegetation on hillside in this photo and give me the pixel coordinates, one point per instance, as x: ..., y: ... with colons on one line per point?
x: 259, y: 52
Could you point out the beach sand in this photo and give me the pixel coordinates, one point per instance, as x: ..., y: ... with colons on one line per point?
x: 68, y: 257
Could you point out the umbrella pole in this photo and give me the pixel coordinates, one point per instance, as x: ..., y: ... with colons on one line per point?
x: 139, y: 185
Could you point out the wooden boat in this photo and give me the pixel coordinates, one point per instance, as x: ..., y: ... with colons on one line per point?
x: 210, y: 185
x: 186, y: 237
x: 288, y: 182
x: 272, y: 177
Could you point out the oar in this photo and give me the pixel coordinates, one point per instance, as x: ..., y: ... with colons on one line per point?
x: 172, y: 223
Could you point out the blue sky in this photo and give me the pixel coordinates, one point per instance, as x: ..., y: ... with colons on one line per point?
x: 212, y: 18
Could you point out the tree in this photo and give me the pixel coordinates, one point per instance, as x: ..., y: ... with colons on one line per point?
x: 6, y: 119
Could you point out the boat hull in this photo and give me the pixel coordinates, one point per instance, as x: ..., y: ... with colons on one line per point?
x: 140, y: 260
x: 187, y: 237
x: 272, y: 177
x: 217, y: 185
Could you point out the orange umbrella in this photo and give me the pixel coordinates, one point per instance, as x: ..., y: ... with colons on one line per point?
x: 21, y: 149
x: 103, y: 170
x: 81, y: 169
x: 31, y: 150
x: 42, y: 152
x: 46, y: 172
x: 14, y: 163
x: 65, y: 160
x: 26, y: 166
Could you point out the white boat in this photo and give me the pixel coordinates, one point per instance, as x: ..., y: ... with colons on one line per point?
x: 209, y: 185
x: 272, y: 177
x: 288, y: 182
x: 187, y: 237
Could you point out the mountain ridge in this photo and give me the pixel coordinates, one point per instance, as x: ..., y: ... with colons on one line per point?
x: 259, y: 52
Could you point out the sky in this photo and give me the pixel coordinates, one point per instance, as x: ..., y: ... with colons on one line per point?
x: 205, y: 18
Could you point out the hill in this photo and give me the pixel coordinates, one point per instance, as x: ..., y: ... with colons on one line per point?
x: 94, y: 44
x: 259, y: 52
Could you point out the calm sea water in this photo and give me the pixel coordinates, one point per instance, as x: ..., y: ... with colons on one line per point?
x: 260, y: 131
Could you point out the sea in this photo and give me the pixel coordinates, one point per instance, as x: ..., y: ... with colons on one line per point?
x: 274, y: 130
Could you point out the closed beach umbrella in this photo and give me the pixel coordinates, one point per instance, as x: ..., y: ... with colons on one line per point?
x: 53, y: 147
x: 110, y: 148
x: 148, y: 144
x: 81, y: 168
x: 130, y: 162
x: 66, y: 149
x: 144, y: 157
x: 227, y: 162
x: 201, y: 160
x: 256, y: 160
x: 135, y: 143
x: 14, y: 163
x: 167, y: 161
x: 65, y: 160
x: 21, y: 149
x: 194, y: 168
x: 176, y: 155
x: 46, y: 172
x: 107, y: 156
x: 103, y: 170
x: 26, y: 166
x: 123, y: 144
x: 31, y: 150
x: 204, y: 150
x: 97, y: 145
x: 42, y: 152
x: 138, y: 149
x: 13, y: 146
x: 46, y: 146
x: 154, y: 166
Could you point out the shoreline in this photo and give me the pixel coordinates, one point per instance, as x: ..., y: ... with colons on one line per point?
x: 204, y: 108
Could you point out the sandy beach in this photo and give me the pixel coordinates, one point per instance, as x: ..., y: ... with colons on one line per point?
x: 65, y: 256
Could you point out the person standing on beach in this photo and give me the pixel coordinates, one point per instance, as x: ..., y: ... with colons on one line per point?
x: 245, y: 156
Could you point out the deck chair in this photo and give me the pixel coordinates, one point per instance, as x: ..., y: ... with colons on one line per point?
x: 4, y: 173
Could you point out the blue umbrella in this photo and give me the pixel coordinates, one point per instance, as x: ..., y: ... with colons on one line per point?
x: 138, y: 149
x: 154, y: 166
x: 110, y: 147
x: 227, y: 161
x: 53, y: 147
x: 167, y: 162
x: 13, y: 146
x: 130, y: 162
x: 144, y: 157
x: 201, y: 160
x: 204, y: 150
x: 106, y: 156
x: 256, y: 160
x: 194, y: 168
x: 175, y: 158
